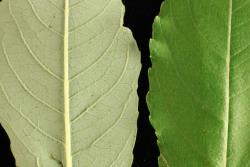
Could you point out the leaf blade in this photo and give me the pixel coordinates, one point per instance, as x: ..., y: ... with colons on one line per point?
x: 191, y: 92
x: 32, y: 95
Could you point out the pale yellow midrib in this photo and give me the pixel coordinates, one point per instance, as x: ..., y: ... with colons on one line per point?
x: 68, y: 155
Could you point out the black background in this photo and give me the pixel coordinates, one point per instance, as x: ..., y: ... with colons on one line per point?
x: 139, y: 17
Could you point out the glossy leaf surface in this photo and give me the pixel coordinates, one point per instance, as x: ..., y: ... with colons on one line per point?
x: 199, y: 83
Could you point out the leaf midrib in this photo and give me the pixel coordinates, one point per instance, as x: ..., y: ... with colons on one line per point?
x: 228, y: 64
x: 68, y: 155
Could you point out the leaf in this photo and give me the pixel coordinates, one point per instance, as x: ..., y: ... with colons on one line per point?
x: 68, y: 76
x: 199, y: 83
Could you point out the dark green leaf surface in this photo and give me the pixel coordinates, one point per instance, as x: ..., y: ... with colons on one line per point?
x: 199, y: 83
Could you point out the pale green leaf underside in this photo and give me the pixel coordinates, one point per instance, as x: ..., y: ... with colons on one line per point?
x: 199, y: 83
x: 103, y: 68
